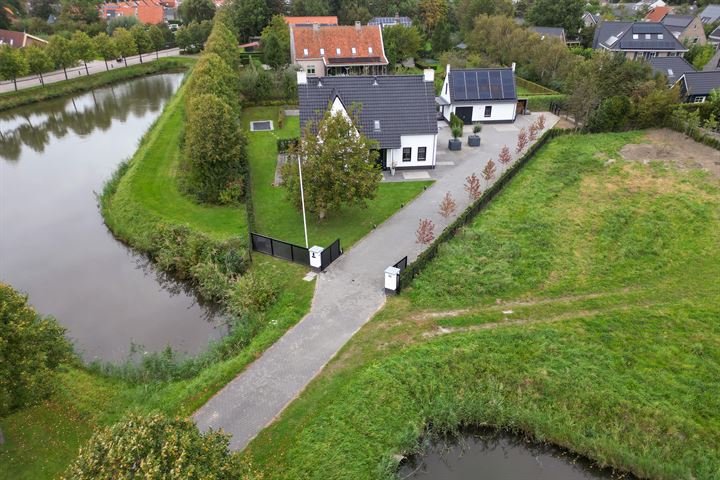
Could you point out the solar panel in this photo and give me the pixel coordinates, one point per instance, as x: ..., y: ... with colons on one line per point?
x: 458, y: 86
x: 473, y: 89
x: 647, y: 28
x: 495, y: 79
x: 508, y: 83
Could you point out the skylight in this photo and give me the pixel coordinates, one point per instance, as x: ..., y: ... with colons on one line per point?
x: 377, y: 125
x: 305, y: 52
x: 337, y: 50
x: 670, y: 72
x: 369, y: 49
x: 322, y: 51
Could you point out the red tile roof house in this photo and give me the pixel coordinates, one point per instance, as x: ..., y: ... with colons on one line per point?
x: 657, y: 14
x: 310, y: 21
x: 338, y: 50
x: 147, y: 11
x: 19, y: 39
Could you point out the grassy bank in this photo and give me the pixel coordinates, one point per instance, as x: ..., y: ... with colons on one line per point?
x: 80, y: 84
x: 276, y: 217
x: 581, y: 308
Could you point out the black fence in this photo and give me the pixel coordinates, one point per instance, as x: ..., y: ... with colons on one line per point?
x: 401, y: 265
x: 291, y: 252
x: 471, y: 212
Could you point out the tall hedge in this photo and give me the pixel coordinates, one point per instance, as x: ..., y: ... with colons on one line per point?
x: 222, y: 41
x: 31, y: 349
x: 212, y: 75
x: 214, y: 147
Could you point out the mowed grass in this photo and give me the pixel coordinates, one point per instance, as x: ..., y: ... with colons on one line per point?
x: 275, y: 216
x: 581, y: 307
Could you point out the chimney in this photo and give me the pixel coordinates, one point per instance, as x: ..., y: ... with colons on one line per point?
x: 513, y: 67
x: 429, y: 75
x: 358, y: 26
x: 316, y: 27
x: 302, y: 78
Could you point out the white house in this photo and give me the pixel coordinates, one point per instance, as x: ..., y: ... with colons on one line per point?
x: 479, y: 95
x: 397, y: 111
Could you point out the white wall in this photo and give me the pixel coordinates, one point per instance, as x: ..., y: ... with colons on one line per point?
x: 414, y: 141
x: 501, y: 111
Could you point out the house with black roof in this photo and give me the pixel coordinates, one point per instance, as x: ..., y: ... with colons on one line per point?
x: 686, y: 28
x: 397, y: 111
x: 550, y: 32
x: 637, y: 40
x: 479, y: 95
x: 695, y: 87
x: 672, y: 67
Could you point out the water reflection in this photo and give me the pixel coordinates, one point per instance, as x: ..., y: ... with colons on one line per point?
x: 54, y: 245
x: 490, y: 454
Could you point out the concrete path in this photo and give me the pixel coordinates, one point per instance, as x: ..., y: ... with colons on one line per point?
x: 96, y: 66
x: 347, y: 295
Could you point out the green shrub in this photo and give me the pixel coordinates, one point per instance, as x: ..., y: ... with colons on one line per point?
x: 156, y: 447
x: 612, y: 115
x: 223, y: 43
x: 211, y: 283
x: 234, y: 192
x: 213, y: 76
x: 31, y: 349
x: 541, y: 103
x: 284, y: 145
x: 252, y: 292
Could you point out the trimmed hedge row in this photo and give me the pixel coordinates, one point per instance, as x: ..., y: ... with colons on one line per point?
x: 541, y: 103
x: 534, y: 88
x: 475, y: 208
x: 696, y: 134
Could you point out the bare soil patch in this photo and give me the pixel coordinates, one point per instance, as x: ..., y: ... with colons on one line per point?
x: 675, y: 148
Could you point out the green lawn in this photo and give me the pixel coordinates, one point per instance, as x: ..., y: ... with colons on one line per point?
x: 276, y: 217
x: 611, y: 275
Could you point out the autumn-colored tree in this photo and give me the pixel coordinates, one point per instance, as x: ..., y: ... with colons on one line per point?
x: 541, y: 122
x: 533, y: 132
x: 338, y: 165
x: 432, y: 12
x: 505, y: 156
x: 522, y: 141
x: 426, y: 231
x: 472, y: 187
x: 447, y: 206
x: 489, y: 170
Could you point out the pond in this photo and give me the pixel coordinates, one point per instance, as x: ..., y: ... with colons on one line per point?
x: 54, y: 246
x: 490, y: 454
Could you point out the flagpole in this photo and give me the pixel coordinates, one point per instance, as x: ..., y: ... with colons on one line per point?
x: 302, y: 200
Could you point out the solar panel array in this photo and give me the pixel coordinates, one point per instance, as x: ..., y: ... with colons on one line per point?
x: 647, y: 27
x: 482, y: 84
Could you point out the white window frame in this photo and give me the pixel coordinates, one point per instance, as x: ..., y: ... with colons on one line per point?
x: 376, y: 125
x: 338, y: 51
x: 407, y: 149
x: 305, y: 52
x: 310, y: 70
x: 322, y: 51
x: 636, y: 36
x: 699, y: 100
x: 648, y: 36
x: 660, y: 36
x: 422, y: 154
x: 370, y: 50
x: 353, y: 50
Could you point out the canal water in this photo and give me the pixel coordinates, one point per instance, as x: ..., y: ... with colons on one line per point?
x: 54, y: 246
x: 489, y: 454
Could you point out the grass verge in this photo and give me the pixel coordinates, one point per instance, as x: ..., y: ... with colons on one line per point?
x: 580, y: 308
x: 26, y: 96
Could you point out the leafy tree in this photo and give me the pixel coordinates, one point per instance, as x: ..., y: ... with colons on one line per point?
x: 38, y: 61
x: 249, y: 17
x: 224, y: 43
x: 655, y: 109
x: 121, y: 22
x: 311, y: 8
x: 32, y: 347
x: 125, y: 43
x: 699, y: 55
x: 467, y: 10
x: 106, y: 48
x: 214, y: 147
x: 60, y: 51
x: 79, y: 12
x: 156, y: 447
x: 275, y: 40
x: 401, y: 42
x: 84, y: 48
x: 196, y: 10
x: 42, y: 8
x: 142, y: 40
x: 157, y: 39
x: 557, y: 13
x: 192, y: 37
x: 12, y: 64
x: 441, y: 39
x: 338, y: 165
x: 432, y: 12
x: 212, y: 75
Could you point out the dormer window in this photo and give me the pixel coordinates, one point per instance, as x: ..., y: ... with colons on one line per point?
x: 635, y: 36
x: 354, y: 51
x: 322, y: 51
x: 660, y: 36
x: 670, y: 72
x: 647, y: 36
x: 369, y: 49
x: 377, y: 125
x: 305, y: 52
x: 337, y: 50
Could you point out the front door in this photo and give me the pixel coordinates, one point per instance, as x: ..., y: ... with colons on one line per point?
x: 382, y: 159
x: 465, y: 114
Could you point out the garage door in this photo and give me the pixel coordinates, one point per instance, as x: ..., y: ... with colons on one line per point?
x: 465, y: 114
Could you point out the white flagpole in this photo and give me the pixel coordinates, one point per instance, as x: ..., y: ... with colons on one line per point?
x: 302, y: 200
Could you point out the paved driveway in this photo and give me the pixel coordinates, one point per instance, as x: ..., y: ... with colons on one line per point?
x: 95, y: 66
x: 347, y: 295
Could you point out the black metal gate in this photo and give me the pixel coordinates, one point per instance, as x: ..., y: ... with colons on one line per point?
x: 330, y: 254
x: 291, y: 252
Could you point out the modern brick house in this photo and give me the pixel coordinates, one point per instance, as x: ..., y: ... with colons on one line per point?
x: 637, y: 40
x: 397, y: 111
x: 19, y: 39
x: 147, y: 11
x: 338, y: 50
x: 686, y: 28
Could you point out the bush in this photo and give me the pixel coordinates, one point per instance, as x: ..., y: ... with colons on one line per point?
x: 213, y: 76
x: 155, y: 447
x: 224, y: 43
x: 211, y: 283
x: 251, y: 293
x: 234, y: 192
x: 31, y: 349
x: 612, y: 115
x: 284, y: 145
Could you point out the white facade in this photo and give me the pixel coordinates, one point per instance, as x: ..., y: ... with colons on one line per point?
x: 483, y: 110
x: 413, y: 144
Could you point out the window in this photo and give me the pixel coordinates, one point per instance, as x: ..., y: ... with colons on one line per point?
x: 305, y: 52
x: 422, y: 154
x: 407, y: 154
x: 647, y: 36
x: 369, y: 49
x: 377, y: 125
x: 311, y: 70
x: 697, y: 100
x: 337, y: 50
x: 660, y: 36
x: 354, y: 51
x: 670, y: 73
x: 488, y: 111
x: 322, y: 51
x: 635, y: 36
x: 446, y: 87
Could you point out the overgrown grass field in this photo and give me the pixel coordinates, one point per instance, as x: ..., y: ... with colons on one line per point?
x: 581, y: 308
x: 275, y: 216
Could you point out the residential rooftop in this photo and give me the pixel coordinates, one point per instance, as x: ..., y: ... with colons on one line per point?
x: 672, y: 67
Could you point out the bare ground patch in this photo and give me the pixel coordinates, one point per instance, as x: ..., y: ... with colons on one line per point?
x: 675, y: 148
